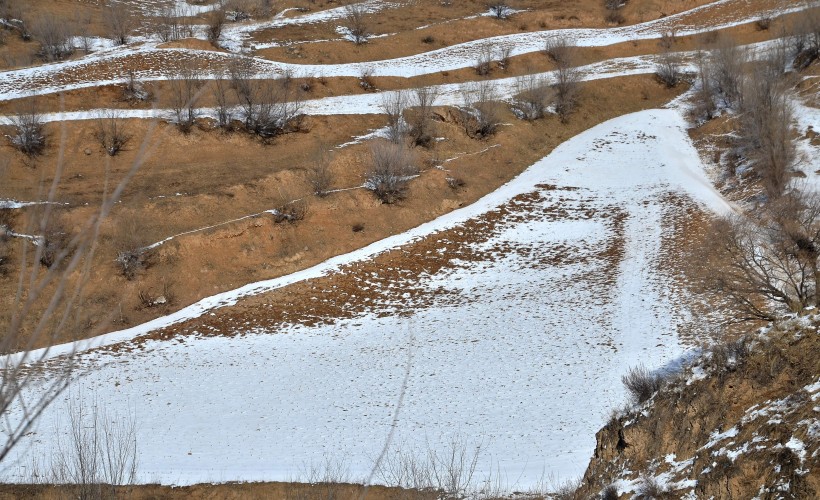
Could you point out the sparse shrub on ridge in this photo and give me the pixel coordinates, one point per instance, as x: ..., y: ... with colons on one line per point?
x: 29, y: 136
x: 392, y: 167
x: 641, y: 384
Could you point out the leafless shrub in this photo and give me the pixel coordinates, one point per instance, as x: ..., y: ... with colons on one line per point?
x: 119, y: 21
x: 111, y: 132
x: 214, y: 26
x: 356, y: 23
x: 99, y: 454
x: 480, y: 114
x: 131, y: 262
x: 765, y: 117
x: 668, y: 39
x: 566, y: 490
x: 805, y: 38
x: 54, y: 37
x: 485, y: 59
x: 504, y: 56
x: 499, y: 9
x: 609, y: 493
x: 166, y: 298
x: 269, y: 107
x: 533, y: 95
x: 421, y: 122
x: 224, y: 103
x: 667, y: 69
x: 641, y: 384
x: 704, y: 106
x: 29, y: 135
x: 134, y: 89
x: 560, y: 49
x: 455, y: 183
x: 393, y: 105
x: 167, y: 24
x: 289, y: 210
x: 651, y: 489
x: 391, y: 169
x: 613, y: 11
x: 185, y: 86
x: 320, y: 175
x: 366, y: 79
x: 726, y: 68
x: 428, y: 39
x: 764, y: 23
x: 54, y: 244
x: 567, y: 88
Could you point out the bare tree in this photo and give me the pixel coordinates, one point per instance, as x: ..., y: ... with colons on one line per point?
x: 727, y: 72
x: 111, y: 132
x: 29, y: 135
x: 393, y: 105
x: 54, y: 37
x: 356, y: 23
x: 481, y: 113
x: 166, y: 24
x: 703, y: 97
x: 215, y: 24
x: 185, y: 87
x: 767, y: 264
x: 765, y: 117
x: 533, y: 95
x: 392, y: 168
x: 421, y: 123
x: 118, y: 20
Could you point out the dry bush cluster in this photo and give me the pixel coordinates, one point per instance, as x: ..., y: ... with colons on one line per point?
x: 28, y: 130
x: 533, y: 96
x: 613, y: 11
x: 641, y: 384
x: 111, y: 132
x: 392, y: 167
x: 481, y: 112
x: 269, y: 107
x: 355, y: 21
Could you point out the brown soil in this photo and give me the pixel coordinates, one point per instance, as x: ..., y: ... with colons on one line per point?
x: 226, y: 491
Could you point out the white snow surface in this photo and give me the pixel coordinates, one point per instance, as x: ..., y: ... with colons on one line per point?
x: 523, y: 357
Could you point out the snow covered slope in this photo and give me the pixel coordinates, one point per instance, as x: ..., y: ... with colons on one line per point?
x: 521, y: 349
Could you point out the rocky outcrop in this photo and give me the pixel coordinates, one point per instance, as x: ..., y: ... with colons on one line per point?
x: 743, y: 421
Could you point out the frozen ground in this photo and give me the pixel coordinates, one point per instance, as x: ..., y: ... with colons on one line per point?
x: 523, y: 353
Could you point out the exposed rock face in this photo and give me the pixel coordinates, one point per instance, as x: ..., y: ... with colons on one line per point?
x: 742, y: 422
